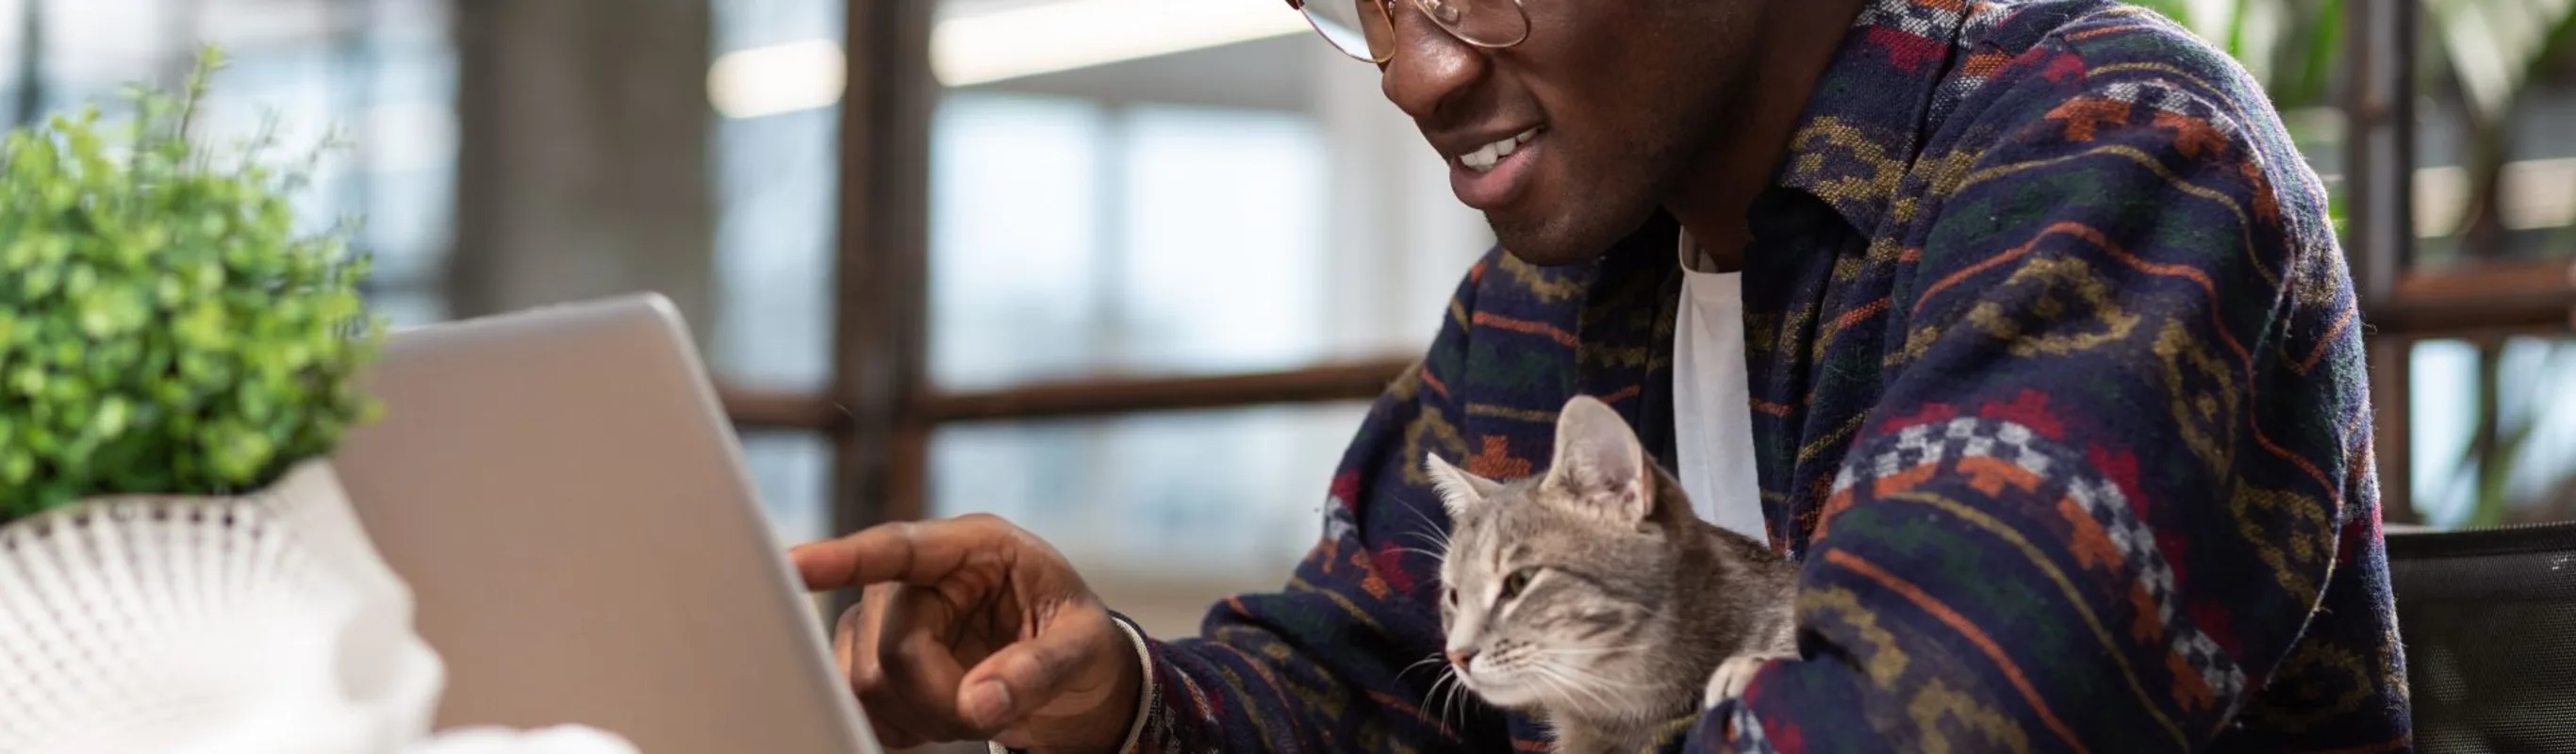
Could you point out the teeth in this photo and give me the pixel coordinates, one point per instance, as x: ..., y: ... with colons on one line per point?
x: 1480, y: 160
x: 1485, y: 157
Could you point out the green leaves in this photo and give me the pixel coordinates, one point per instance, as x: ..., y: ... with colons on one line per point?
x: 164, y: 327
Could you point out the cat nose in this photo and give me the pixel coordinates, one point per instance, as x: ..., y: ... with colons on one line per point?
x: 1459, y: 657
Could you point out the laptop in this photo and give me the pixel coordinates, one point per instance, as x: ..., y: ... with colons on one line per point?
x: 567, y: 501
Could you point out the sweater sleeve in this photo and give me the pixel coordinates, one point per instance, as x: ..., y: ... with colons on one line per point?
x: 2102, y: 491
x: 1336, y: 661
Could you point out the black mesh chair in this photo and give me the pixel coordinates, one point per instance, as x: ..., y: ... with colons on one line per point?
x: 2489, y: 622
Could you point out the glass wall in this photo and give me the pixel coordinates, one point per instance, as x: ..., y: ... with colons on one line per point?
x: 1172, y: 207
x: 380, y: 72
x: 1199, y: 205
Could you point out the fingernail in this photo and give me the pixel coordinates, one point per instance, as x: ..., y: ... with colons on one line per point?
x: 988, y: 703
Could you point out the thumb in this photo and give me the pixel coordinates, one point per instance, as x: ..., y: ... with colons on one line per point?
x: 1026, y: 675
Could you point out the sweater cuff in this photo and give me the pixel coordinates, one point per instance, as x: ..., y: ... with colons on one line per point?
x: 1145, y: 693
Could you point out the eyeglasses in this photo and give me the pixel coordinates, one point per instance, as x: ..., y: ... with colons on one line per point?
x: 1365, y: 29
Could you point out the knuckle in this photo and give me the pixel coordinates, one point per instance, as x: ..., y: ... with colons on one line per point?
x: 866, y: 674
x: 913, y: 655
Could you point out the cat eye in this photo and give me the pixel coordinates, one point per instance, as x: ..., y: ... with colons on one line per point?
x: 1519, y: 580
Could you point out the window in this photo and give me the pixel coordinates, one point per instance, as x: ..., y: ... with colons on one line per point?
x: 790, y: 471
x: 2487, y: 461
x: 777, y: 171
x: 2475, y: 260
x: 1115, y: 223
x: 2494, y: 220
x: 1236, y: 493
x: 1071, y: 239
x: 380, y: 72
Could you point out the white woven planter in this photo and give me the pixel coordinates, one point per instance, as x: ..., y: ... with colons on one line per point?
x: 259, y: 623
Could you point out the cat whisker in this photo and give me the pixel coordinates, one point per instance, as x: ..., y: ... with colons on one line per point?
x: 1435, y: 657
x: 1590, y: 684
x: 1597, y: 679
x: 1616, y: 689
x: 1428, y: 525
x: 1592, y: 651
x: 1557, y: 684
x: 1431, y: 531
x: 1465, y: 704
x: 1447, y: 675
x: 1430, y: 696
x: 1434, y: 556
x: 1565, y: 687
x: 1456, y: 706
x: 1443, y: 709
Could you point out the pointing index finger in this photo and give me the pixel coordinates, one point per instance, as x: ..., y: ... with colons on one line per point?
x: 919, y: 553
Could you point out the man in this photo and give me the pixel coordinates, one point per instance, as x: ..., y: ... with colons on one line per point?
x: 2020, y: 326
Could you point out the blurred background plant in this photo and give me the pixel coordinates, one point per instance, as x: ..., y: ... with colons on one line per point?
x: 2492, y: 64
x: 2494, y: 79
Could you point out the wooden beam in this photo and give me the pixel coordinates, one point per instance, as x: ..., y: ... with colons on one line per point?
x: 2516, y: 297
x: 1348, y: 381
x: 2391, y: 426
x: 882, y: 266
x: 760, y: 408
x: 2379, y: 145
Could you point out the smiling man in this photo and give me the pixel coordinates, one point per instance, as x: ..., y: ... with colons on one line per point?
x: 2018, y: 324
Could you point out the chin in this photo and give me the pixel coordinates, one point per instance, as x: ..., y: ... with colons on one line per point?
x: 1564, y: 236
x: 1505, y: 694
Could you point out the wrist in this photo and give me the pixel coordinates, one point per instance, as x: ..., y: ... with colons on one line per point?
x: 1121, y: 722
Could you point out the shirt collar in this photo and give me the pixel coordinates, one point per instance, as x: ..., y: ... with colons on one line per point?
x: 1865, y: 121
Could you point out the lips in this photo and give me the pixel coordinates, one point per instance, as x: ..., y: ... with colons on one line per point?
x: 1491, y: 176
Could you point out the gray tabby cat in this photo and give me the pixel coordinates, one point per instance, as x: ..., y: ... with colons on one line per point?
x: 1594, y: 598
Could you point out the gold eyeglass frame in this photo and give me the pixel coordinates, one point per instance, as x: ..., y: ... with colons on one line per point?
x: 1386, y: 10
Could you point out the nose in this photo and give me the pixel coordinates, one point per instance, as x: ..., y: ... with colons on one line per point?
x: 1459, y: 658
x: 1430, y: 67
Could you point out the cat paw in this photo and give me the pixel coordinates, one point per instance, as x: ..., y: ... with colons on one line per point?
x: 1732, y: 675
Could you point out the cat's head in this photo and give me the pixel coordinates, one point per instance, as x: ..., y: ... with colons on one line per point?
x: 1556, y: 589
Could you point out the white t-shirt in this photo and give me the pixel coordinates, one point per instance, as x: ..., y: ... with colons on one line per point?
x: 1712, y: 402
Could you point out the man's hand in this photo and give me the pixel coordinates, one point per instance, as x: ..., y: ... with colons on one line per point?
x: 972, y: 629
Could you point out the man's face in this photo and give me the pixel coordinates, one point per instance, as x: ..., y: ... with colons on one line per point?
x: 1607, y: 105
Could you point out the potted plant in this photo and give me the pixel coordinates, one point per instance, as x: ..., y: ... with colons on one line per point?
x: 179, y: 569
x: 177, y: 362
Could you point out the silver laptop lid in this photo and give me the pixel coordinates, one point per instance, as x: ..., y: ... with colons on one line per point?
x: 568, y: 504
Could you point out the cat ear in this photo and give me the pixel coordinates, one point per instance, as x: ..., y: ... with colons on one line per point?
x: 1460, y: 491
x: 1599, y: 461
